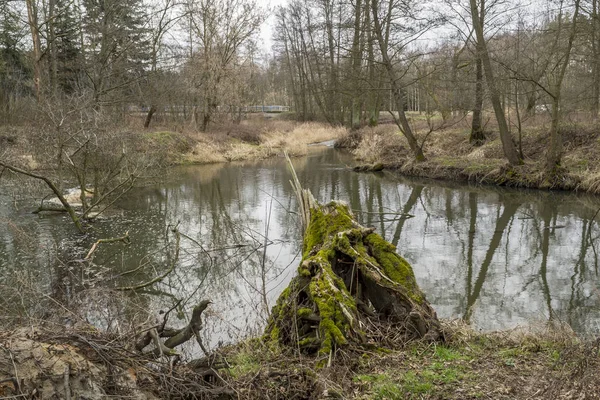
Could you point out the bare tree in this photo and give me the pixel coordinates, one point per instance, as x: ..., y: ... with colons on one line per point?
x: 383, y: 33
x: 510, y: 150
x: 223, y: 28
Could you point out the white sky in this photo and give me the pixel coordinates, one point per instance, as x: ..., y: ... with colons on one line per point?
x: 266, y: 32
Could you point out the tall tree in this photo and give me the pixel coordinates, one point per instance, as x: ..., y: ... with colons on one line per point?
x: 382, y: 27
x: 66, y: 52
x: 15, y: 73
x: 477, y: 135
x: 555, y: 149
x: 222, y: 28
x: 117, y: 48
x: 36, y: 44
x: 508, y: 146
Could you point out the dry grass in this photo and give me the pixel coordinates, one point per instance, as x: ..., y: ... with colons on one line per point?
x: 382, y: 144
x: 296, y: 140
x: 547, y: 361
x: 254, y: 140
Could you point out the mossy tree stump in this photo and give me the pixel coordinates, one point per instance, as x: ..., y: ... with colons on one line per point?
x: 348, y: 275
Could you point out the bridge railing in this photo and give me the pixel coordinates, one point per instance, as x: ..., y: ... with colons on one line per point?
x: 266, y: 109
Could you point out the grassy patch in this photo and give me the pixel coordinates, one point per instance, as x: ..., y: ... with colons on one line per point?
x: 380, y: 386
x: 448, y: 354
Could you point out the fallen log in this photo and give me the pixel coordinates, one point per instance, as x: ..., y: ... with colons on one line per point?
x: 349, y: 275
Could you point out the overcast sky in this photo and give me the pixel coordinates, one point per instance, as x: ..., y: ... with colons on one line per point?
x: 267, y: 29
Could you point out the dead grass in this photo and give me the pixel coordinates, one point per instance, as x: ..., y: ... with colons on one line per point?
x: 544, y: 362
x: 254, y: 140
x: 450, y: 155
x: 382, y: 144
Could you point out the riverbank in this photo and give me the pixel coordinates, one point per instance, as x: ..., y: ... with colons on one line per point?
x: 249, y: 140
x: 253, y: 139
x: 450, y: 155
x: 543, y: 364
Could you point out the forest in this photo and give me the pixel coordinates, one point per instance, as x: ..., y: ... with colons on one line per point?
x: 197, y: 63
x: 347, y: 209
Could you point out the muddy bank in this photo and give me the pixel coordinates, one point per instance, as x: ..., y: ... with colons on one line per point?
x: 495, y: 172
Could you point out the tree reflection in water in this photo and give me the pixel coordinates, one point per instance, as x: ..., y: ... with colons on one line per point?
x: 497, y: 258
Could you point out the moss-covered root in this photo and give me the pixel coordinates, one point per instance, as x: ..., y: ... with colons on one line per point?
x: 348, y: 274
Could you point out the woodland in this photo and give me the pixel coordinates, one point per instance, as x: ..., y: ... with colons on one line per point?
x: 101, y: 97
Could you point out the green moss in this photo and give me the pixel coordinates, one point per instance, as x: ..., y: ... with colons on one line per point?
x: 275, y: 334
x: 394, y: 266
x: 308, y: 342
x: 334, y: 324
x: 325, y: 224
x: 304, y: 312
x: 303, y: 270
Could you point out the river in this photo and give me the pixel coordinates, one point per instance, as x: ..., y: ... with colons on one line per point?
x: 498, y: 258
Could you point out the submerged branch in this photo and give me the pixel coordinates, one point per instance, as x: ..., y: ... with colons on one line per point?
x: 164, y: 275
x: 125, y: 239
x: 76, y: 220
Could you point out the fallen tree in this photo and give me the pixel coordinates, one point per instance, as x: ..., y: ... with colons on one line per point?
x: 349, y: 278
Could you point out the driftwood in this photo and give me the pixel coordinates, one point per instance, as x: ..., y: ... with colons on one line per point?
x: 349, y: 275
x: 175, y: 337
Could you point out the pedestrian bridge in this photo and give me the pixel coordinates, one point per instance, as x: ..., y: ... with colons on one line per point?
x: 266, y: 109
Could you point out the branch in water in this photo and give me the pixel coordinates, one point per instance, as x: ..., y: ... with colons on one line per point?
x: 163, y: 276
x: 125, y: 239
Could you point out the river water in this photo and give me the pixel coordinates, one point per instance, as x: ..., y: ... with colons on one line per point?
x: 498, y: 258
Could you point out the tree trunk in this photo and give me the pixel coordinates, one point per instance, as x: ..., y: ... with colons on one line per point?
x: 477, y: 135
x: 555, y: 150
x: 510, y: 150
x: 356, y: 66
x: 595, y: 109
x: 149, y: 116
x: 53, y: 46
x: 397, y: 94
x: 348, y: 275
x: 333, y: 84
x: 32, y: 18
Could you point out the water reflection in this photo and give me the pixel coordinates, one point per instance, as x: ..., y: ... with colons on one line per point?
x: 497, y: 258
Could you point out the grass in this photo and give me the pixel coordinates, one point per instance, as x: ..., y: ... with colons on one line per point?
x: 380, y: 386
x: 546, y: 362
